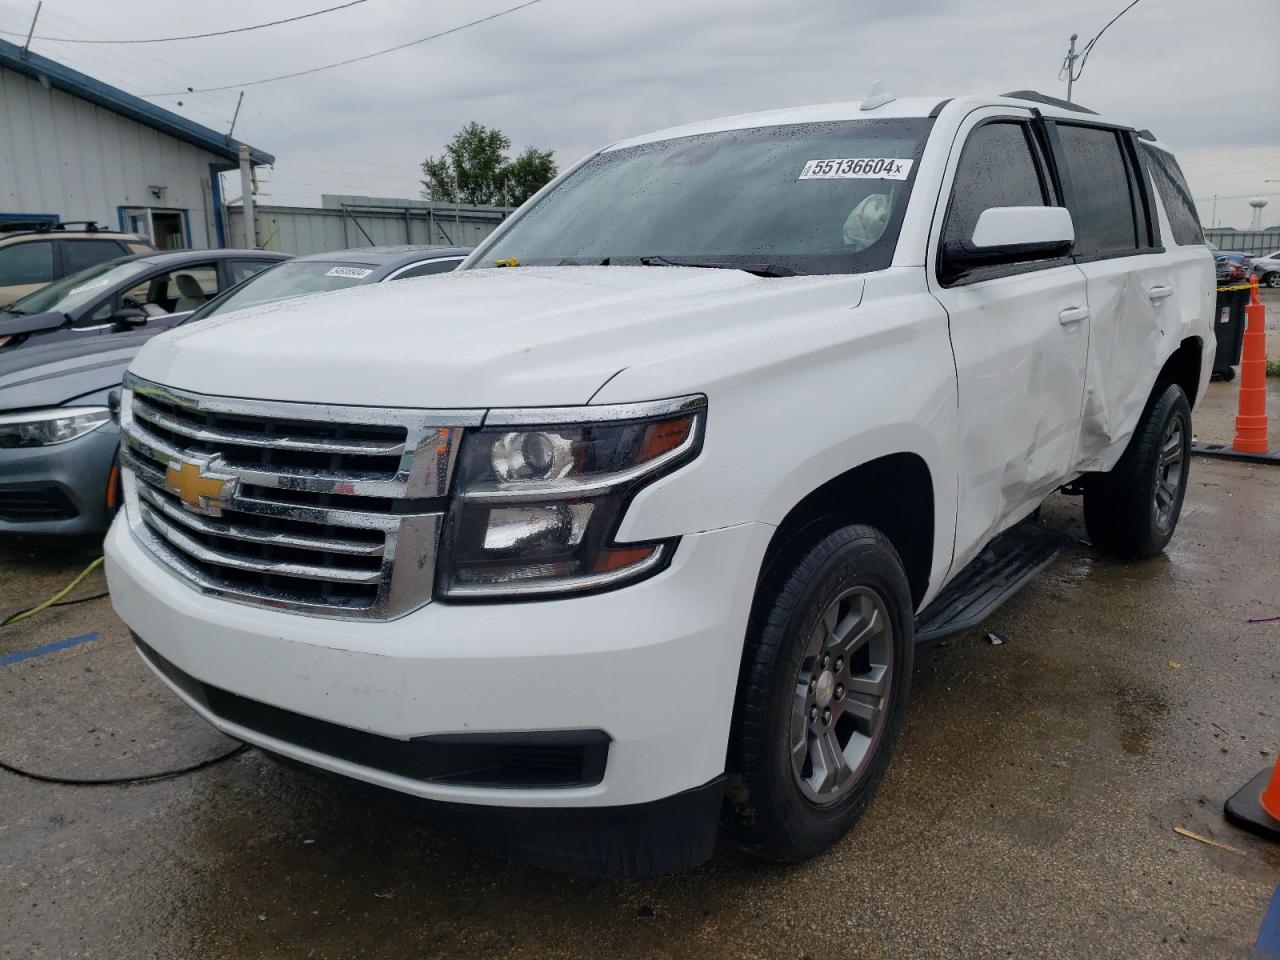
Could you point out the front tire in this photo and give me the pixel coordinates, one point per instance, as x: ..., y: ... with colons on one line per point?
x: 1132, y: 511
x: 1272, y: 279
x: 824, y: 688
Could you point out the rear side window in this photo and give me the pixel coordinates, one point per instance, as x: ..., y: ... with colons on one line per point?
x: 1100, y: 203
x: 23, y: 263
x: 997, y: 169
x: 1172, y: 187
x: 78, y: 254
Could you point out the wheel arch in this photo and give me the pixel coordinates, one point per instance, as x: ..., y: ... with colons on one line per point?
x: 1184, y: 367
x: 894, y: 493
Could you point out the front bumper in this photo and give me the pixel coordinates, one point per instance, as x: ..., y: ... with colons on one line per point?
x: 71, y: 478
x: 654, y: 666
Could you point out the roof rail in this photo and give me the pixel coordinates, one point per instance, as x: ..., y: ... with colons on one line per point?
x: 1036, y: 97
x: 29, y: 226
x: 90, y: 226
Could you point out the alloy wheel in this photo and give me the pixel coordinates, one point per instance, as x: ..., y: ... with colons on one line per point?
x: 841, y: 695
x: 1170, y: 472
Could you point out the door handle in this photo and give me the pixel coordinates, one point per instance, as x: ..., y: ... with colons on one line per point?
x: 1073, y: 315
x: 1160, y: 292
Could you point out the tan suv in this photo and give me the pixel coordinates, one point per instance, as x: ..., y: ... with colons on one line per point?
x: 35, y: 253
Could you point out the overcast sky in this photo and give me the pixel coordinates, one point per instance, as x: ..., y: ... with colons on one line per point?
x: 571, y: 75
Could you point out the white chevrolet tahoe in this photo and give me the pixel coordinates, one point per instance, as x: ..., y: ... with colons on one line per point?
x: 629, y: 527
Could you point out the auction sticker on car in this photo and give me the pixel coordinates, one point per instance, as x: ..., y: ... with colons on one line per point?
x: 351, y: 273
x: 861, y: 168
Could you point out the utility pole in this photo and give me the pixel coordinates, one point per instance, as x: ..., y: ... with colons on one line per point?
x: 246, y: 198
x: 1071, y: 65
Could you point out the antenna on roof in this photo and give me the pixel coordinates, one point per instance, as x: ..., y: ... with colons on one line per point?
x: 877, y: 97
x: 26, y: 47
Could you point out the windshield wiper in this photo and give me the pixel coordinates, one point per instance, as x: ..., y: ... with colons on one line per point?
x: 759, y: 269
x: 15, y: 312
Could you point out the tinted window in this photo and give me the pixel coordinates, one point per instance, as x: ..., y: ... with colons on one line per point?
x: 78, y: 254
x: 1101, y: 207
x: 811, y: 197
x: 1181, y: 209
x: 426, y: 269
x: 30, y: 262
x: 997, y: 169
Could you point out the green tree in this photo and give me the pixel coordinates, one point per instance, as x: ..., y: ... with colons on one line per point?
x: 527, y: 174
x: 475, y: 168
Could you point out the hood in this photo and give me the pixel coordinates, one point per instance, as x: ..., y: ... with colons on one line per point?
x: 48, y: 376
x: 523, y: 336
x: 11, y: 323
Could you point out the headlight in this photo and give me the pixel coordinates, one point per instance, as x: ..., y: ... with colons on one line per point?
x: 538, y: 500
x: 40, y: 428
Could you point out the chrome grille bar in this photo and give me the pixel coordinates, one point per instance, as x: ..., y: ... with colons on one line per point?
x: 230, y: 531
x: 374, y: 448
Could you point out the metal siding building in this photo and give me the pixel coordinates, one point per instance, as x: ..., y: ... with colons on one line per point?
x: 344, y: 222
x: 73, y: 148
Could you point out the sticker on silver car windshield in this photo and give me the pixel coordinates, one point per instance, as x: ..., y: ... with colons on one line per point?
x: 351, y: 273
x: 861, y: 168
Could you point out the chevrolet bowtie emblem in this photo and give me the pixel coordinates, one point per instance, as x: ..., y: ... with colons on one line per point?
x: 199, y: 486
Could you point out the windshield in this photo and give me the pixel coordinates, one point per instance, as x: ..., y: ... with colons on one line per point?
x: 287, y: 280
x: 71, y: 293
x: 808, y: 198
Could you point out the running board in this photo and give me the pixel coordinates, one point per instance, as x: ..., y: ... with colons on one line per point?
x: 991, y: 578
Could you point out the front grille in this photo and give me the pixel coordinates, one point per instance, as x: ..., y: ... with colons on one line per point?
x: 332, y: 510
x: 34, y: 504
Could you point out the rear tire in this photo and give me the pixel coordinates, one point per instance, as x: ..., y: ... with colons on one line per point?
x: 1272, y: 279
x: 823, y: 692
x: 1132, y: 511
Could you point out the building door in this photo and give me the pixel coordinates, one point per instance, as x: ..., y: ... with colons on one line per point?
x: 165, y: 228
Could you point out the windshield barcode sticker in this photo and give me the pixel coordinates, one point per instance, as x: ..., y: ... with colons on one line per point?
x: 353, y: 273
x: 862, y: 168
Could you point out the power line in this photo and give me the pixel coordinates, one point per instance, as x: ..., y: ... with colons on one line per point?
x: 344, y: 63
x: 1069, y: 71
x: 195, y: 36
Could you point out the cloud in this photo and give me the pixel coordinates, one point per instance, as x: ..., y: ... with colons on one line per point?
x: 572, y: 75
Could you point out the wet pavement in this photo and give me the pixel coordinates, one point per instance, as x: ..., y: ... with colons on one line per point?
x: 1030, y: 810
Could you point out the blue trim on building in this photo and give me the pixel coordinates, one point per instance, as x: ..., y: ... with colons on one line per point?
x: 186, y: 226
x: 215, y: 188
x: 34, y: 217
x: 54, y: 74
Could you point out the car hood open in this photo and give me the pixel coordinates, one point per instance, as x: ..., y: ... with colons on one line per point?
x: 522, y: 336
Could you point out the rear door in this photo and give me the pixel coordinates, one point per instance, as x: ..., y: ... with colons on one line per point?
x: 1019, y: 332
x: 1131, y: 283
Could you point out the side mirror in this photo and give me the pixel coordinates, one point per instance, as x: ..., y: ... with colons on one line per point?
x: 1014, y: 234
x: 130, y: 317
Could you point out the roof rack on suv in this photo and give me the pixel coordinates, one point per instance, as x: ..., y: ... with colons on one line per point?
x: 1036, y: 97
x: 46, y: 226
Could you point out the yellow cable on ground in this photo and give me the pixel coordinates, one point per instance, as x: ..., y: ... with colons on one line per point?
x: 57, y: 596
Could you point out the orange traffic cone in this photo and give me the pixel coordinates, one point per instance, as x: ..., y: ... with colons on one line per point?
x: 1251, y: 422
x: 1256, y: 805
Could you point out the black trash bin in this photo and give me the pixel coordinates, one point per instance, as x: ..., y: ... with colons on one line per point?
x: 1228, y: 327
